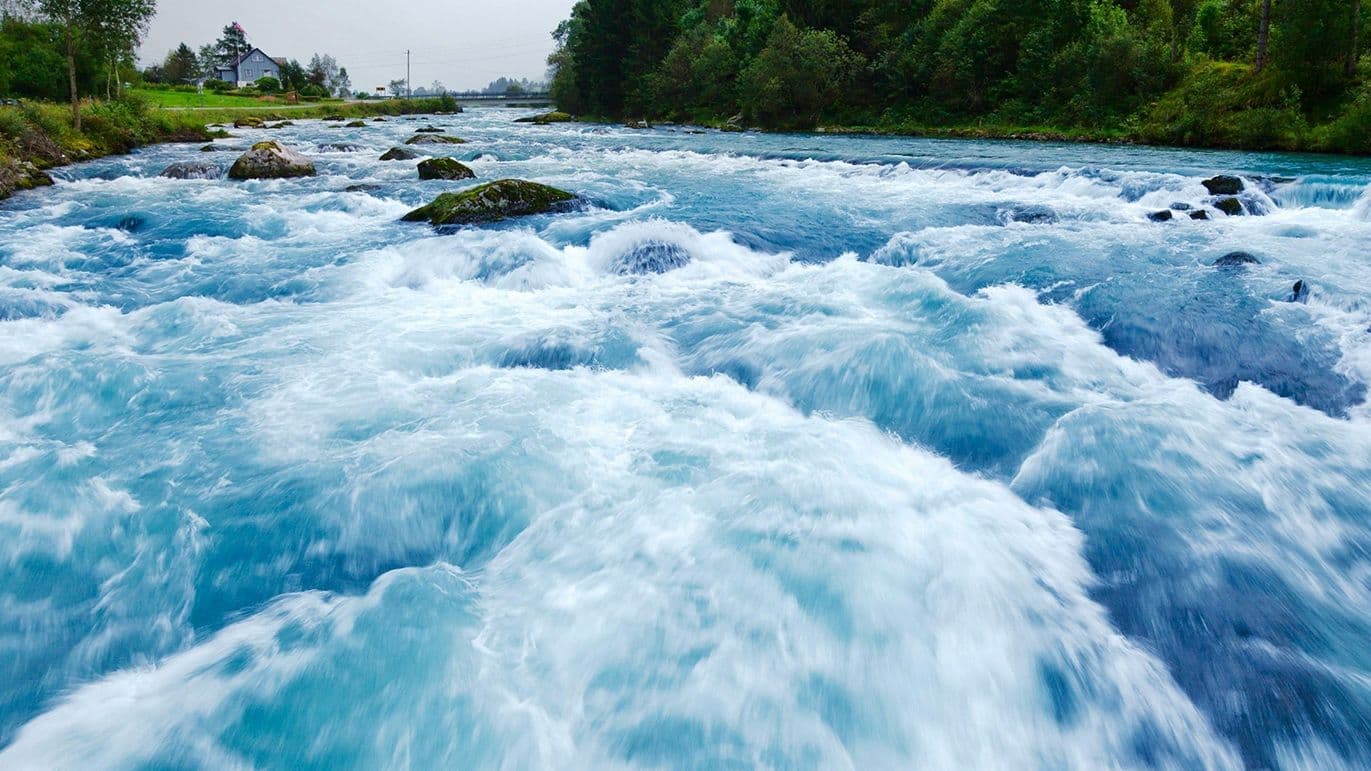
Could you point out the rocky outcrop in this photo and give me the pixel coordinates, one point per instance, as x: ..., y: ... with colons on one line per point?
x: 271, y: 160
x: 399, y: 154
x: 492, y: 202
x: 1236, y: 260
x: 444, y: 168
x: 191, y: 170
x: 18, y: 175
x: 1223, y: 184
x: 434, y: 139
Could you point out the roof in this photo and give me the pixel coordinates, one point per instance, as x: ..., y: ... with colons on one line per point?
x: 242, y: 58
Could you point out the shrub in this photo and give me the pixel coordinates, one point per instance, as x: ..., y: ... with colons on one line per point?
x: 216, y: 85
x: 799, y: 75
x: 267, y: 84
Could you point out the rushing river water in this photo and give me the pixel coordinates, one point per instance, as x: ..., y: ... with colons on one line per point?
x: 790, y: 452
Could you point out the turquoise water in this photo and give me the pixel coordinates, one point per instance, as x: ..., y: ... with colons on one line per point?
x: 784, y: 452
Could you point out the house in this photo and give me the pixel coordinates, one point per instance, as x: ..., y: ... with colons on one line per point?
x: 250, y: 66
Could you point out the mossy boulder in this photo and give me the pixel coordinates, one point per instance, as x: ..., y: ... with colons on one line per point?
x: 399, y: 154
x: 357, y: 124
x: 248, y: 122
x: 492, y: 202
x: 271, y: 160
x: 434, y: 139
x: 444, y: 168
x: 546, y: 118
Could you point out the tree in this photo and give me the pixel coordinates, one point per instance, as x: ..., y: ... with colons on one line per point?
x: 437, y: 87
x: 181, y: 65
x: 342, y: 84
x: 798, y: 75
x: 322, y: 71
x: 1263, y: 35
x: 231, y: 46
x: 109, y: 27
x: 206, y: 60
x: 1350, y: 68
x: 396, y: 87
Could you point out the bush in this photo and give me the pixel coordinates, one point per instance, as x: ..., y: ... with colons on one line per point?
x: 1228, y: 105
x: 218, y: 86
x: 268, y: 85
x: 799, y: 75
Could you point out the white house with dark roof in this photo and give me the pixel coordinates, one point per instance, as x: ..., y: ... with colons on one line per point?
x: 250, y: 66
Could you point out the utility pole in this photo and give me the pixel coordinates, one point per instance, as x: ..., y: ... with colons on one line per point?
x: 409, y: 93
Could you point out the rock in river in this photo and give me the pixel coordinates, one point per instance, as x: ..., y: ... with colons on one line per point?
x: 191, y: 170
x: 1224, y: 184
x: 545, y: 118
x: 444, y: 168
x: 1230, y: 206
x: 1236, y: 260
x: 271, y: 160
x: 399, y: 154
x: 491, y: 202
x: 434, y: 139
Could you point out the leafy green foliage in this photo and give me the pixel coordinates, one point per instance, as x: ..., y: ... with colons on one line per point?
x: 1161, y: 70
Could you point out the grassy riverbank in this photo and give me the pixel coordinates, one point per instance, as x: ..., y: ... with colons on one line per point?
x: 39, y: 135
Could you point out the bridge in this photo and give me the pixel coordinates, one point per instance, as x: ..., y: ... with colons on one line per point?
x: 528, y: 99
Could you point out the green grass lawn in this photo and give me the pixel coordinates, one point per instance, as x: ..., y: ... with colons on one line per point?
x: 163, y: 98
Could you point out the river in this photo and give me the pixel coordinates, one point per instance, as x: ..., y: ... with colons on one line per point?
x: 782, y: 452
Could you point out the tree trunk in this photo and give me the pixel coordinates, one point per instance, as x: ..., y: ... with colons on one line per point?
x: 1351, y: 68
x: 1263, y: 35
x: 71, y: 76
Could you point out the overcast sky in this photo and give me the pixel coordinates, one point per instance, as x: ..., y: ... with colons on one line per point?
x: 463, y: 43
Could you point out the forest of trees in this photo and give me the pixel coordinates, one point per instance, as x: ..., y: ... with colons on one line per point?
x: 1252, y: 73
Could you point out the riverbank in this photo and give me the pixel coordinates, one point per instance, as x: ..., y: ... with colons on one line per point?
x: 39, y: 136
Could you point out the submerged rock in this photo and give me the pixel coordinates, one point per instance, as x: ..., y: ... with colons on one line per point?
x: 637, y: 124
x: 357, y: 124
x: 213, y: 148
x: 1300, y: 293
x: 1230, y: 206
x: 340, y: 147
x: 491, y: 202
x: 548, y: 117
x: 282, y: 124
x: 428, y: 130
x: 652, y: 257
x: 271, y: 160
x: 434, y: 139
x: 1223, y: 184
x: 1199, y: 214
x: 378, y: 120
x: 1032, y: 214
x: 1164, y: 215
x: 363, y: 188
x: 1235, y: 260
x: 399, y: 154
x: 444, y: 168
x: 191, y: 170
